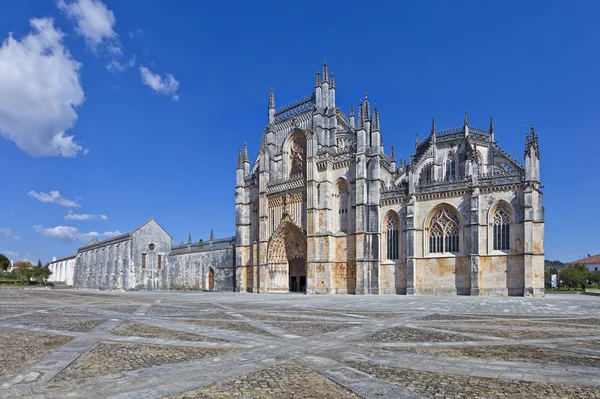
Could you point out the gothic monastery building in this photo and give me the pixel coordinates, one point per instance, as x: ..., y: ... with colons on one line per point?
x: 323, y: 209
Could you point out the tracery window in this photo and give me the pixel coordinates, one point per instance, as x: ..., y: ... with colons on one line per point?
x: 254, y: 223
x: 426, y: 176
x: 342, y: 201
x: 501, y: 229
x: 444, y: 232
x: 451, y: 169
x: 391, y: 240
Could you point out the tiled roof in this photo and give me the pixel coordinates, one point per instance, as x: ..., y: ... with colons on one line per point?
x: 586, y: 261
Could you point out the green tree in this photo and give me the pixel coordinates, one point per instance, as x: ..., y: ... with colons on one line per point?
x: 4, y: 262
x: 575, y: 276
x: 39, y: 263
x: 595, y: 277
x: 39, y: 274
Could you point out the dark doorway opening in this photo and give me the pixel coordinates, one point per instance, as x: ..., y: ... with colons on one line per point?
x: 297, y: 275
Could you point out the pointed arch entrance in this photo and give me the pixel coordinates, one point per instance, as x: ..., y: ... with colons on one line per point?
x: 211, y: 279
x: 287, y: 258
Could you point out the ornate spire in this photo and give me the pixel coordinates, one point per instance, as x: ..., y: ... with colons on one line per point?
x: 466, y: 118
x: 361, y: 108
x: 245, y: 157
x: 240, y: 162
x: 318, y: 82
x: 367, y: 110
x: 491, y: 126
x: 392, y: 154
x: 182, y: 243
x: 416, y: 140
x: 212, y: 235
x: 332, y: 81
x: 271, y: 98
x: 190, y: 239
x: 375, y: 119
x: 528, y: 141
x: 351, y: 110
x: 432, y: 126
x: 325, y: 72
x: 535, y: 142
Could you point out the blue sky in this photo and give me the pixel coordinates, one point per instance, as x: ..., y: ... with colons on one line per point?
x: 154, y: 98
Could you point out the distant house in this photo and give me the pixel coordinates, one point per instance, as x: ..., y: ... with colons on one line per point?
x: 592, y: 262
x: 19, y: 265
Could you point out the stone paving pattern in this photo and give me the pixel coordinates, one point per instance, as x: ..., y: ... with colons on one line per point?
x: 98, y: 344
x: 440, y: 385
x: 410, y: 334
x: 108, y: 357
x: 18, y: 348
x: 286, y: 381
x: 515, y: 353
x: 147, y: 331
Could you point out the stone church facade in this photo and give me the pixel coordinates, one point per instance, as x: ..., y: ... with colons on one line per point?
x: 323, y: 209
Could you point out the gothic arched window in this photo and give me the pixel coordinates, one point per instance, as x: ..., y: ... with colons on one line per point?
x: 391, y: 237
x: 254, y: 222
x: 444, y: 232
x: 451, y: 167
x: 426, y: 175
x: 342, y: 202
x: 501, y: 229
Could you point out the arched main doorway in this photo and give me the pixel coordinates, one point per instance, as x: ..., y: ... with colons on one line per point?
x: 287, y: 259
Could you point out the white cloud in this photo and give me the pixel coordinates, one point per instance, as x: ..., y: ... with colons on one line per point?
x: 7, y: 231
x: 16, y: 238
x: 39, y: 92
x: 71, y: 234
x: 167, y: 85
x: 79, y: 216
x: 95, y: 22
x: 83, y: 216
x: 136, y: 32
x: 117, y: 66
x: 54, y: 197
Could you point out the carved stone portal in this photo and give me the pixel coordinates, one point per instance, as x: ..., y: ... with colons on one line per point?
x: 287, y: 258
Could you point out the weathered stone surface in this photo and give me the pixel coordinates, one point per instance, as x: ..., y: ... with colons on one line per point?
x: 18, y: 348
x: 518, y: 334
x: 159, y: 354
x: 515, y: 353
x: 286, y: 381
x: 130, y: 329
x: 108, y: 357
x: 408, y: 334
x: 310, y: 329
x: 445, y: 385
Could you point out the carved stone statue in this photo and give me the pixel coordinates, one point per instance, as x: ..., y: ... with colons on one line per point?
x: 297, y: 157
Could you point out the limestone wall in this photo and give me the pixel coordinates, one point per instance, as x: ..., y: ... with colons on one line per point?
x: 190, y: 271
x: 442, y: 276
x: 501, y: 275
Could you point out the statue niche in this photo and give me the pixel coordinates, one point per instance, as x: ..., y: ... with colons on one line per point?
x: 298, y: 156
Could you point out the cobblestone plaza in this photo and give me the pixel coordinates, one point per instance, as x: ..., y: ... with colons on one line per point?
x: 89, y: 344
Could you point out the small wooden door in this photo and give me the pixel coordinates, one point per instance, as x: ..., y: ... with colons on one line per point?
x: 211, y: 279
